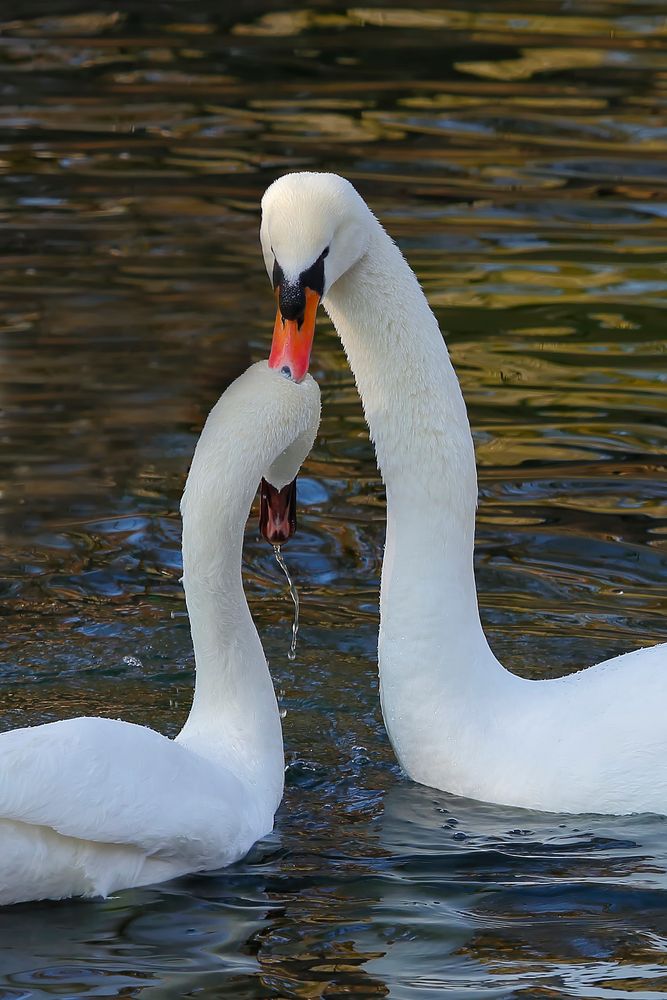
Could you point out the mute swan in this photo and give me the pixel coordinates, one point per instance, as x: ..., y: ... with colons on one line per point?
x: 90, y: 805
x: 594, y: 741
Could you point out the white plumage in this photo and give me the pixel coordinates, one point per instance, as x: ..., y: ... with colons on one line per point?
x: 592, y: 741
x: 91, y: 805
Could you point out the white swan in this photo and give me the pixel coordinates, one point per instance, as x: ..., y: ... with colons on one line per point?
x: 592, y: 741
x: 91, y: 805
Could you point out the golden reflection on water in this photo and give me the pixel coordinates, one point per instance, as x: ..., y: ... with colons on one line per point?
x: 518, y: 156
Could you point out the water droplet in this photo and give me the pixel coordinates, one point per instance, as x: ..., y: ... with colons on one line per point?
x: 294, y: 594
x: 132, y: 661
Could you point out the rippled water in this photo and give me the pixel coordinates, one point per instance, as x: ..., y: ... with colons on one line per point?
x: 518, y: 152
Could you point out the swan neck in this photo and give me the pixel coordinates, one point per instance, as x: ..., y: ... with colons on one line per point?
x: 419, y: 426
x: 234, y: 717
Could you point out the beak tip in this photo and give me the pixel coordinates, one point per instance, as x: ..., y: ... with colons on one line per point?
x: 294, y: 376
x: 293, y: 371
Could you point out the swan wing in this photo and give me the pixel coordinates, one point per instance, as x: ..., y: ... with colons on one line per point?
x: 113, y: 782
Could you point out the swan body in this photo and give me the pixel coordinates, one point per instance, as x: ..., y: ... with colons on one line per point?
x: 593, y: 741
x: 92, y: 805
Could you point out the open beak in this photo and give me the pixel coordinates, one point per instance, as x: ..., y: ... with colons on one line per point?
x: 277, y: 512
x: 293, y: 339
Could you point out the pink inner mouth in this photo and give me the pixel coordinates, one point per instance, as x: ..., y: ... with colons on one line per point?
x: 277, y: 512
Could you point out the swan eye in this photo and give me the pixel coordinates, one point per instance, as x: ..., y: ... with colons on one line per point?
x: 325, y: 253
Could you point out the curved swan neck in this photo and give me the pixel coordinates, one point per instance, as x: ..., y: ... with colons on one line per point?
x: 234, y: 716
x: 419, y: 426
x: 262, y: 424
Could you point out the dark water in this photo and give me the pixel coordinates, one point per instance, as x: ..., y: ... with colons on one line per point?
x: 518, y: 152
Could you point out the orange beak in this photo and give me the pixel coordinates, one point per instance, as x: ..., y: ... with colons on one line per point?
x: 293, y: 341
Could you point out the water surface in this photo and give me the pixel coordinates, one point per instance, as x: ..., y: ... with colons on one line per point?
x: 518, y: 153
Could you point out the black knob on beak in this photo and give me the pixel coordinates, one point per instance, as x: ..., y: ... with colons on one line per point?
x: 292, y: 294
x: 292, y: 301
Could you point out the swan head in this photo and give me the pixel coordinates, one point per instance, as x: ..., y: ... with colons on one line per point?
x: 315, y: 227
x: 262, y: 428
x: 277, y: 491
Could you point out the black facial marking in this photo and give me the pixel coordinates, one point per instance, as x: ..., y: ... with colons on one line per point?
x: 277, y: 274
x: 292, y: 300
x: 292, y: 296
x: 314, y: 276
